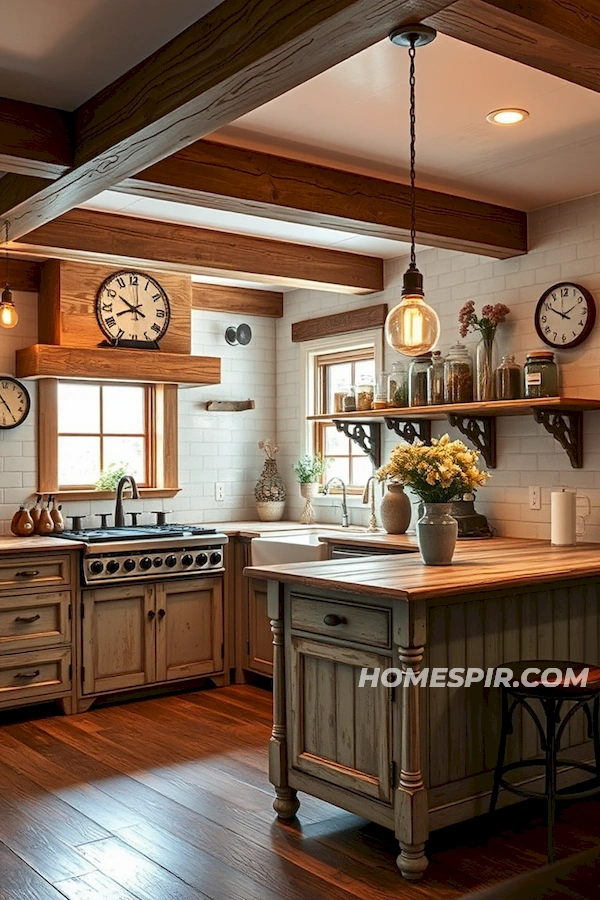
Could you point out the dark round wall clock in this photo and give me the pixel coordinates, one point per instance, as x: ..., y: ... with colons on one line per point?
x: 565, y: 315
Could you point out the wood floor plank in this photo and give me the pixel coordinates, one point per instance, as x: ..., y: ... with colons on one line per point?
x: 18, y: 881
x: 94, y: 886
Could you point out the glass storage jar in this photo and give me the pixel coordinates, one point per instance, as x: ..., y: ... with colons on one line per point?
x: 339, y: 395
x: 380, y: 400
x: 417, y: 380
x: 509, y: 379
x: 541, y: 374
x: 435, y: 379
x: 365, y: 390
x: 398, y: 385
x: 350, y: 400
x: 458, y: 375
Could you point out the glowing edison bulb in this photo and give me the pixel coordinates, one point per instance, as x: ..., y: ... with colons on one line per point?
x: 8, y: 314
x: 412, y: 328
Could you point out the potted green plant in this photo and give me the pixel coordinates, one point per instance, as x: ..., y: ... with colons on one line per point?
x: 309, y: 470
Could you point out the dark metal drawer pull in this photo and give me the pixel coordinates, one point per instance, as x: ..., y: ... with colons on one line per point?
x: 332, y: 619
x: 28, y: 619
x: 162, y: 613
x: 28, y: 674
x: 151, y: 614
x: 27, y: 573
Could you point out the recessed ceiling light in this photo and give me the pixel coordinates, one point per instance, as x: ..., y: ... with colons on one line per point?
x: 507, y: 116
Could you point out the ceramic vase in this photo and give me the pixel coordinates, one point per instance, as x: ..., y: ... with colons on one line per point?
x: 308, y: 490
x: 270, y: 493
x: 486, y: 363
x: 437, y: 531
x: 395, y: 510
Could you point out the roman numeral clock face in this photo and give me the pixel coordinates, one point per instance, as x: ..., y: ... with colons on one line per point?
x: 132, y: 306
x: 565, y: 315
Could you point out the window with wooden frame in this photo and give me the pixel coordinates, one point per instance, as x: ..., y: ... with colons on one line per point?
x: 85, y: 427
x: 337, y: 372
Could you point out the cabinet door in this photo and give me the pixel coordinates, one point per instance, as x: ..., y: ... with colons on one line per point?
x: 340, y: 732
x: 189, y: 623
x: 118, y: 638
x: 260, y: 638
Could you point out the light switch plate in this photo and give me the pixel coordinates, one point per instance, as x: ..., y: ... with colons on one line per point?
x: 535, y: 497
x: 219, y: 491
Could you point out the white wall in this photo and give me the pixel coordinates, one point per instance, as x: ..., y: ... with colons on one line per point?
x: 565, y: 244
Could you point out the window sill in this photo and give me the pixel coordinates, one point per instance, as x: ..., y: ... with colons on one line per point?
x: 152, y: 493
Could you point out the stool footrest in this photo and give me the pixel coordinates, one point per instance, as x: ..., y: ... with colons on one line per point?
x: 541, y: 795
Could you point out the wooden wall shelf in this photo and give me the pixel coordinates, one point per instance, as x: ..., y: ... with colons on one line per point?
x: 150, y: 366
x: 562, y: 417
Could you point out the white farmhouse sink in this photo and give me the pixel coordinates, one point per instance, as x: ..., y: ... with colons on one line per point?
x: 290, y: 547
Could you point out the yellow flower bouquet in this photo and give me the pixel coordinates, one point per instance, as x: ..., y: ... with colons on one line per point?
x: 437, y: 473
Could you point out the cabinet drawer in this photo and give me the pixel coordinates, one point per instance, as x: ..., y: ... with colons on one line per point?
x: 34, y: 620
x: 42, y: 672
x: 361, y: 624
x: 41, y: 570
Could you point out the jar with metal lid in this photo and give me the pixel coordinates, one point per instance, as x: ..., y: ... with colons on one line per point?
x: 458, y: 375
x: 435, y: 379
x: 398, y: 385
x: 541, y: 374
x: 509, y: 379
x: 365, y: 390
x: 417, y: 380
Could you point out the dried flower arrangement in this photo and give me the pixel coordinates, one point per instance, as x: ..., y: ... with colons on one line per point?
x: 491, y: 317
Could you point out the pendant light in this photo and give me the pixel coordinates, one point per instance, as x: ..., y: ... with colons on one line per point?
x: 412, y: 327
x: 8, y: 314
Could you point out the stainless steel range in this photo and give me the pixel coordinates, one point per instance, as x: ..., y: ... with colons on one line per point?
x: 148, y: 552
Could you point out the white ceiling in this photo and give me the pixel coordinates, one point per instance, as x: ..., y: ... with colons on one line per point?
x: 61, y: 52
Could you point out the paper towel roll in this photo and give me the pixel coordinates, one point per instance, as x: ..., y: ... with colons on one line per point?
x: 563, y: 518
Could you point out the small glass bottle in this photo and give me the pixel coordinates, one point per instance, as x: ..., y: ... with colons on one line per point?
x: 365, y: 391
x: 458, y: 375
x: 380, y: 400
x: 541, y: 374
x: 509, y: 379
x: 417, y: 380
x: 435, y: 380
x: 350, y: 400
x: 398, y: 385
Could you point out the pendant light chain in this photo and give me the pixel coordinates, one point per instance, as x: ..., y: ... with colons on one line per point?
x: 6, y: 248
x: 413, y: 139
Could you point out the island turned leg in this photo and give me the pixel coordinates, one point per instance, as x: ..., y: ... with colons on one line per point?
x: 286, y: 803
x: 412, y: 811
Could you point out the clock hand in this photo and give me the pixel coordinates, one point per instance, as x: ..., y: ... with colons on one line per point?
x: 8, y: 408
x: 131, y: 309
x: 134, y: 309
x: 559, y: 313
x: 571, y: 310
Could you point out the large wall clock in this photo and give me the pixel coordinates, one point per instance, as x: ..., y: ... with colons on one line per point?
x: 132, y: 310
x: 15, y: 402
x: 565, y: 315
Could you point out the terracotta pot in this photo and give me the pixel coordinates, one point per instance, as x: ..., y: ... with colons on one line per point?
x: 395, y: 510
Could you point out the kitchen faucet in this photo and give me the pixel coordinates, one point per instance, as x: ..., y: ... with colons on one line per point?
x: 344, y: 507
x: 373, y: 527
x: 135, y: 495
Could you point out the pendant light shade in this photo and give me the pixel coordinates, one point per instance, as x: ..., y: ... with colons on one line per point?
x: 412, y: 328
x: 8, y: 314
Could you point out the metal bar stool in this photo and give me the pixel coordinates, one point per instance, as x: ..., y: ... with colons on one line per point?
x: 551, y: 697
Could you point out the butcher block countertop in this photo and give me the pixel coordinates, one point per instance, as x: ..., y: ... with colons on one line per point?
x: 13, y: 544
x: 479, y: 565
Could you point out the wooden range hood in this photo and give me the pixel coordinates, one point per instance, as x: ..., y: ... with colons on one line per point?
x: 69, y: 334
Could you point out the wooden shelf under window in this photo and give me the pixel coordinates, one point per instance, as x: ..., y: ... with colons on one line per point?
x: 108, y: 363
x: 562, y: 417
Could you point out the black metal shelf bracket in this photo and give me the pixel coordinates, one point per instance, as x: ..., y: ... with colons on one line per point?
x: 566, y: 428
x: 410, y: 430
x: 480, y: 431
x: 366, y: 434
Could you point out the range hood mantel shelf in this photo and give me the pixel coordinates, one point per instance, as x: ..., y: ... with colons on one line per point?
x: 150, y: 366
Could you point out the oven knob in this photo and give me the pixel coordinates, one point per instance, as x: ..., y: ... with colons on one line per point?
x: 187, y: 559
x: 112, y: 566
x: 96, y: 567
x: 215, y: 559
x: 145, y: 563
x: 157, y: 562
x: 129, y: 565
x: 171, y: 561
x: 201, y: 559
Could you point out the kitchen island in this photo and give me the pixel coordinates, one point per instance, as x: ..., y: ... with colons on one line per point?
x: 415, y: 759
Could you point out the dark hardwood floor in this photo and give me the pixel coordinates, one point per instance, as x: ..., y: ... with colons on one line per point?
x: 168, y: 799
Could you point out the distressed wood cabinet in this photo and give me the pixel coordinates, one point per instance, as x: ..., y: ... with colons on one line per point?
x: 254, y: 641
x: 135, y: 635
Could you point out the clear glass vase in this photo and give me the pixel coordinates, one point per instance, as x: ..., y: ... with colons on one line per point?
x: 486, y: 363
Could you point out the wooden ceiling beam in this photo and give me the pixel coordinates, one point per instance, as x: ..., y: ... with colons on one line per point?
x: 23, y: 274
x: 35, y: 140
x: 561, y: 37
x: 251, y: 182
x: 233, y: 60
x: 123, y: 240
x: 245, y: 301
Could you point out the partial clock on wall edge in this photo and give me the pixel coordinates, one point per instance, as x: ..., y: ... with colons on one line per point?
x: 132, y: 310
x: 565, y: 315
x: 15, y: 402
